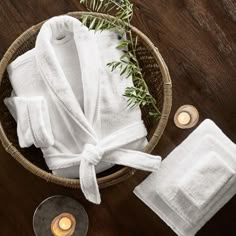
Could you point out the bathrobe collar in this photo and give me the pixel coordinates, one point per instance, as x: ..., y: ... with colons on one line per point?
x: 52, y: 73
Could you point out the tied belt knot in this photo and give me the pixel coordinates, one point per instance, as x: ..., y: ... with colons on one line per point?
x: 109, y: 149
x: 92, y: 154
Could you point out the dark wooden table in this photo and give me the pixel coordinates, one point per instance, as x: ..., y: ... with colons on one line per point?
x: 198, y: 42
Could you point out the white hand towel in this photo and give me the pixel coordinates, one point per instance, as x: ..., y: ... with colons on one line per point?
x: 194, y: 181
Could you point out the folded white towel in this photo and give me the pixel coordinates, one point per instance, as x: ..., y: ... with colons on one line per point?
x: 194, y: 181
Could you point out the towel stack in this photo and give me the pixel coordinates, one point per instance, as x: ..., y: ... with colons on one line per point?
x: 194, y: 181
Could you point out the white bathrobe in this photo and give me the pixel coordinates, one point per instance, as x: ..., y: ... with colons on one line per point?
x: 68, y: 103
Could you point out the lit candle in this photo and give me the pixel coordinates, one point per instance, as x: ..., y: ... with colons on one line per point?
x: 63, y: 225
x: 184, y: 118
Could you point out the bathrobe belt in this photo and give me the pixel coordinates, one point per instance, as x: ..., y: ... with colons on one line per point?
x: 109, y: 149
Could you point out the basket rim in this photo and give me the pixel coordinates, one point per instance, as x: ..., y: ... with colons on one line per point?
x: 120, y: 174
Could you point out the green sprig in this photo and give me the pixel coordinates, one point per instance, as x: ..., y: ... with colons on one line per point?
x: 128, y: 64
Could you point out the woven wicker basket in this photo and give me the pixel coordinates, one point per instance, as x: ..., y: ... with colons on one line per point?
x: 156, y: 76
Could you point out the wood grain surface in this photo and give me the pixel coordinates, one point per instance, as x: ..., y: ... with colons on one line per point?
x: 197, y: 39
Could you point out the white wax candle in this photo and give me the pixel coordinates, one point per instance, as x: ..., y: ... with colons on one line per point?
x: 184, y: 118
x: 65, y: 223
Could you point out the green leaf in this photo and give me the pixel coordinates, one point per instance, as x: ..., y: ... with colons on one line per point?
x: 155, y: 115
x: 99, y: 24
x: 91, y: 25
x: 123, y: 70
x: 99, y: 5
x: 84, y: 19
x: 123, y: 44
x: 136, y: 42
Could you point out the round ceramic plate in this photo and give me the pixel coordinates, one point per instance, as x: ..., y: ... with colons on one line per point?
x: 54, y: 206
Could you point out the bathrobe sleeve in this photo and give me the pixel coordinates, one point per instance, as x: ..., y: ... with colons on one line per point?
x: 28, y: 105
x: 33, y: 122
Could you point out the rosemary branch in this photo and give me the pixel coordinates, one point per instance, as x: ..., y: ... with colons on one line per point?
x: 128, y: 64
